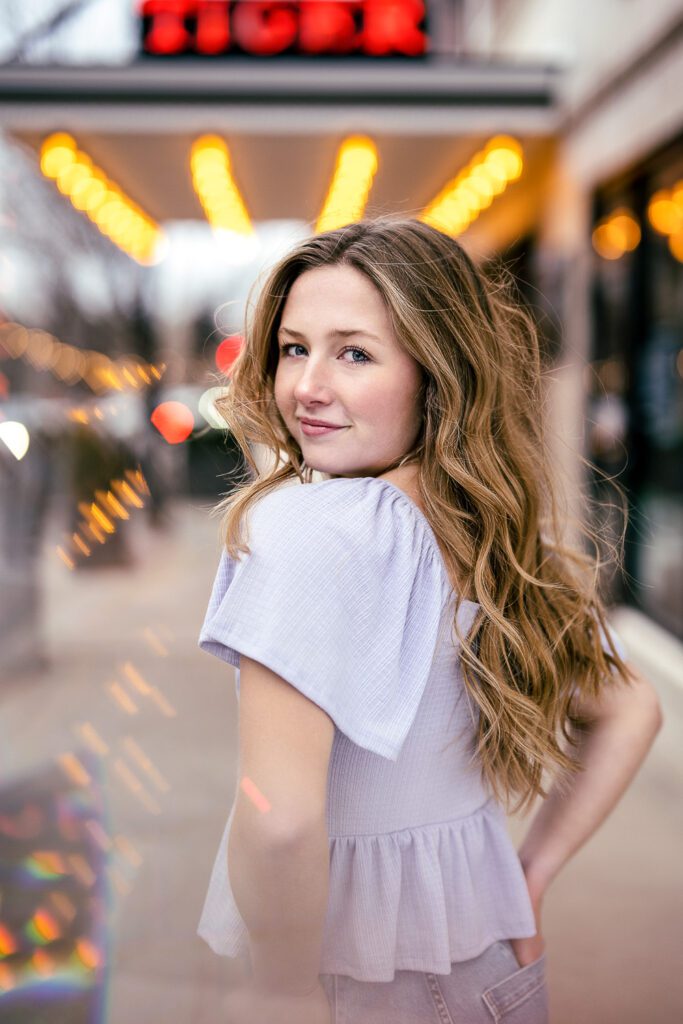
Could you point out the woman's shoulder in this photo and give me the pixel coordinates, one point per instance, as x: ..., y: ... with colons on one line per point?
x: 362, y: 510
x: 342, y: 522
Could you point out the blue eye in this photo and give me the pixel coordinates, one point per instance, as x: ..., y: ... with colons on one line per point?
x: 350, y: 348
x: 366, y: 357
x: 292, y: 344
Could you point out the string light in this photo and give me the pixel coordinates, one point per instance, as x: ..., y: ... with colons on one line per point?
x: 351, y: 182
x: 93, y: 193
x: 213, y: 181
x: 70, y: 364
x: 485, y: 177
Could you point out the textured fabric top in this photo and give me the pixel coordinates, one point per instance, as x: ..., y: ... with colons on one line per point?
x: 345, y: 595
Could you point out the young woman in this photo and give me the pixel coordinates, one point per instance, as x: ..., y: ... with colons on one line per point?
x: 414, y: 639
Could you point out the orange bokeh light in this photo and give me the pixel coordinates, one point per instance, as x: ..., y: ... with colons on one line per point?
x: 174, y: 421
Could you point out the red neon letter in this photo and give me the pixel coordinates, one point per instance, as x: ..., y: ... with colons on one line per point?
x: 167, y: 32
x: 264, y: 27
x: 392, y: 26
x: 327, y: 26
x: 213, y: 26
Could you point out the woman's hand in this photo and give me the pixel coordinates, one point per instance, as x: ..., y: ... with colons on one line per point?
x: 530, y: 949
x: 249, y: 1005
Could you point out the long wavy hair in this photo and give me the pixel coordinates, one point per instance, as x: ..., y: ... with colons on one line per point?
x: 487, y: 480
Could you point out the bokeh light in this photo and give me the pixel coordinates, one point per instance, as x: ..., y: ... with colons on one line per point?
x: 228, y: 351
x: 486, y: 176
x: 15, y: 437
x: 347, y: 196
x: 665, y: 210
x: 107, y: 206
x: 213, y: 181
x: 616, y: 234
x: 174, y: 421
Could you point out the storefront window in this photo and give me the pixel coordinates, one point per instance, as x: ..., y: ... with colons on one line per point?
x: 636, y: 386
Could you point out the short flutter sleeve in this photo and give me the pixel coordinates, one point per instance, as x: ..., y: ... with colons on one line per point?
x: 342, y: 595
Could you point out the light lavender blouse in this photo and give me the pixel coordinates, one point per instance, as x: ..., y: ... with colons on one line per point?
x: 346, y: 596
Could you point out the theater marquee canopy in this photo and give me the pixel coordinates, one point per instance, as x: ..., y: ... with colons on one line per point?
x: 284, y: 119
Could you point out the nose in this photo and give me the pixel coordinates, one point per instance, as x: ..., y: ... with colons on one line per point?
x: 313, y: 381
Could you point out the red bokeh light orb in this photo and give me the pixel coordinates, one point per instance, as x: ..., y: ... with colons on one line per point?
x: 227, y: 352
x: 174, y: 421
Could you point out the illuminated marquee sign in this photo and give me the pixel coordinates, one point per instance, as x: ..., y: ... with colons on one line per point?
x: 266, y: 28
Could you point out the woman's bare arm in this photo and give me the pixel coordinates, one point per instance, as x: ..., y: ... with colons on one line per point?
x: 612, y: 748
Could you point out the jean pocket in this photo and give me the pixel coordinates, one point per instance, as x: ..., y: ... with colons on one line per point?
x: 522, y: 996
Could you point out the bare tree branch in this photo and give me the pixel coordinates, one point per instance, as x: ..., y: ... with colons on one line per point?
x: 45, y: 28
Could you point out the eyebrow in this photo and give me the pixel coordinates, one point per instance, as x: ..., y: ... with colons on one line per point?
x: 338, y: 333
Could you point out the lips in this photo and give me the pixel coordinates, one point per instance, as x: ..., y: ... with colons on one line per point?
x: 319, y: 423
x: 315, y: 430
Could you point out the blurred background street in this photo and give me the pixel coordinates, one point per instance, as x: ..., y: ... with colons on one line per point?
x: 155, y: 157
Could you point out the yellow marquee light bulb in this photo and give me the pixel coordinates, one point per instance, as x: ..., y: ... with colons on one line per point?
x: 83, y: 181
x: 56, y: 162
x: 70, y: 177
x: 484, y: 201
x: 506, y: 161
x: 469, y: 197
x: 59, y: 140
x: 211, y: 155
x: 105, y: 214
x: 57, y: 152
x: 496, y: 177
x: 456, y: 212
x: 81, y: 192
x: 503, y: 142
x: 209, y: 143
x: 359, y: 155
x: 481, y: 184
x: 95, y: 207
x: 116, y: 209
x: 128, y: 218
x: 504, y: 153
x: 94, y: 194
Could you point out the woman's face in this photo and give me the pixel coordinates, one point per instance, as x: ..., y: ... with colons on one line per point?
x: 339, y: 362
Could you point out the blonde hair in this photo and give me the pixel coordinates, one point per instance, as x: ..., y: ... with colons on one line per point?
x: 486, y: 479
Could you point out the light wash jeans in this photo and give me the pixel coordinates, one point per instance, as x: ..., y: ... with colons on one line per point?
x: 488, y: 988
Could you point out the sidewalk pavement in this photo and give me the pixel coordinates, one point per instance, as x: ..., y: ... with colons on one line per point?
x: 112, y: 634
x: 127, y: 682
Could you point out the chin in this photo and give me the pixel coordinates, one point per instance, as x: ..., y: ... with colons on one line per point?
x: 330, y: 469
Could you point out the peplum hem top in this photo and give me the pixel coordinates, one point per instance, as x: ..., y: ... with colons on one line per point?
x: 345, y: 595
